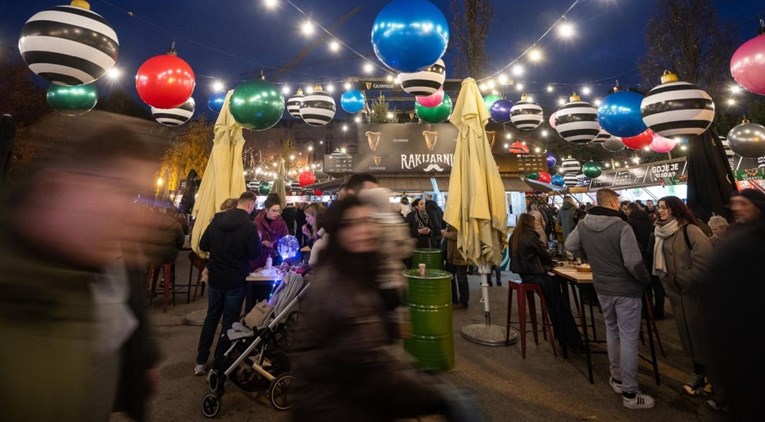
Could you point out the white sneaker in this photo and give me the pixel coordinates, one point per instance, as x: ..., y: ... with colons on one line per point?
x: 616, y: 386
x: 640, y: 401
x: 200, y: 369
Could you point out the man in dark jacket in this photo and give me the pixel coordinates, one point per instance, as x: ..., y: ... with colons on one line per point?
x: 232, y: 241
x: 619, y: 278
x: 641, y: 224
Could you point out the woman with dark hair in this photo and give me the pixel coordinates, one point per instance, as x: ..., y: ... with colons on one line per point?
x: 531, y: 260
x: 271, y: 228
x: 343, y: 370
x: 681, y: 255
x: 421, y: 226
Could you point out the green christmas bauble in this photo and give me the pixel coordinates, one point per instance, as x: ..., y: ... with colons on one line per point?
x: 435, y: 114
x: 592, y: 169
x: 489, y: 100
x: 533, y: 175
x: 257, y: 104
x: 72, y: 100
x: 264, y: 188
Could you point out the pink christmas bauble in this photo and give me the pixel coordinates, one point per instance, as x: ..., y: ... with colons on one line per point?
x: 552, y: 119
x: 748, y: 64
x: 661, y: 144
x: 432, y: 100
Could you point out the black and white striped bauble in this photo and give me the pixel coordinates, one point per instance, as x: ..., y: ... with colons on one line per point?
x: 726, y: 145
x: 293, y: 103
x: 577, y: 121
x: 68, y: 45
x: 526, y: 115
x: 425, y: 82
x: 570, y: 179
x: 174, y: 116
x: 676, y: 109
x: 318, y: 108
x: 570, y: 166
x: 603, y: 136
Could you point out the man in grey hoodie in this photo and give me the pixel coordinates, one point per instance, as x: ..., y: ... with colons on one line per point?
x: 619, y: 278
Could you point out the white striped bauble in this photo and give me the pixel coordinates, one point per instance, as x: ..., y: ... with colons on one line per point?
x: 677, y: 110
x: 603, y: 136
x: 68, y: 45
x: 526, y: 115
x: 174, y: 116
x: 570, y: 179
x: 425, y: 82
x: 317, y: 108
x: 726, y: 145
x: 293, y: 103
x: 577, y: 121
x: 570, y: 166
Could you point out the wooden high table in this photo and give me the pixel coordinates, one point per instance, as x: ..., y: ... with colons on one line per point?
x: 583, y: 282
x: 259, y: 283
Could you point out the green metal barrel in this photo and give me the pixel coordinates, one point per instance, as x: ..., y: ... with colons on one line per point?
x: 432, y: 259
x: 430, y: 306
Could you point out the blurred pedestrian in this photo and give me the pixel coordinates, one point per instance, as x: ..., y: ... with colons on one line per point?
x: 566, y: 217
x: 404, y: 206
x: 747, y: 207
x: 457, y: 265
x: 719, y: 228
x: 681, y: 255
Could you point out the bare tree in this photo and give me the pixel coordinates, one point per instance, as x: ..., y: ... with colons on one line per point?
x: 687, y: 37
x: 470, y: 28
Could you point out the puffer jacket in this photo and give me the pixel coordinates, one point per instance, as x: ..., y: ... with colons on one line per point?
x: 530, y: 257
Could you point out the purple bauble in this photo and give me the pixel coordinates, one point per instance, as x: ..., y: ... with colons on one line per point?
x: 500, y: 110
x: 551, y: 160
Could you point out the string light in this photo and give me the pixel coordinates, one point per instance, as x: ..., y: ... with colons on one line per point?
x: 368, y: 67
x: 347, y: 86
x: 503, y: 79
x: 309, y: 90
x: 517, y: 70
x: 113, y: 73
x: 519, y: 87
x: 586, y: 90
x: 550, y: 88
x: 334, y: 46
x: 561, y: 101
x: 217, y: 86
x: 285, y: 89
x: 389, y: 78
x: 566, y: 30
x: 731, y: 101
x: 535, y: 55
x: 307, y: 28
x: 597, y: 102
x: 735, y: 89
x: 330, y: 88
x: 271, y: 4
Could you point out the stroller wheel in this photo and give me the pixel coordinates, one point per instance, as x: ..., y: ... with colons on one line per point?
x: 210, y: 405
x: 280, y: 392
x: 213, y: 378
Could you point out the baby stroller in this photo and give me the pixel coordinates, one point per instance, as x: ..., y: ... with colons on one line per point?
x: 254, y: 362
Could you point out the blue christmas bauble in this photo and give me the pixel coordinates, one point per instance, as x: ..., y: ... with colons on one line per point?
x: 619, y: 114
x: 500, y: 110
x: 215, y: 102
x: 352, y: 101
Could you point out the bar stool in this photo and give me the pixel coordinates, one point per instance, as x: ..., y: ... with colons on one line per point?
x: 199, y: 263
x: 168, y: 282
x: 525, y: 295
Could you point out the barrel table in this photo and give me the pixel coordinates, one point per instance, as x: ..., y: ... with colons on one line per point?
x: 432, y: 258
x: 430, y: 305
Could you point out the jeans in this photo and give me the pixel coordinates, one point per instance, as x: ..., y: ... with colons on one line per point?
x: 623, y: 317
x: 460, y: 285
x: 226, y: 303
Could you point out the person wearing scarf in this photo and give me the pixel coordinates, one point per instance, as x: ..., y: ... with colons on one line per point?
x: 681, y: 256
x: 420, y: 226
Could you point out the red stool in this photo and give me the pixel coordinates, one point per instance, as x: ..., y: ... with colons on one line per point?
x: 199, y: 264
x: 168, y: 282
x: 525, y: 295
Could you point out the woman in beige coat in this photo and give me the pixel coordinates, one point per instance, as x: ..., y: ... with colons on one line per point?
x: 681, y: 255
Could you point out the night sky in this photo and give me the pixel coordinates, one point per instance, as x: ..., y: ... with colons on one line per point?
x: 234, y: 40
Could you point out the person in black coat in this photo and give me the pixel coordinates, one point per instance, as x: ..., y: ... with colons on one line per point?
x: 421, y: 225
x: 531, y: 260
x: 641, y: 225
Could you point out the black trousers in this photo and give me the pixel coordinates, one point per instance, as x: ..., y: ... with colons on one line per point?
x: 560, y: 313
x: 460, y: 287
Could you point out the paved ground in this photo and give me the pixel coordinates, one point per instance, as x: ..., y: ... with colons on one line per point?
x: 539, y: 388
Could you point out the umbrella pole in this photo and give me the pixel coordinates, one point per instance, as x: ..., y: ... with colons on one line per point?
x: 487, y: 334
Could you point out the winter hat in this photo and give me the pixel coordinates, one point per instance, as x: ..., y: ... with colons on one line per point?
x: 753, y: 195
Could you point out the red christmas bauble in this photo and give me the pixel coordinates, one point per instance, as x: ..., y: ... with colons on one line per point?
x: 306, y: 178
x: 639, y: 141
x: 165, y: 81
x: 544, y: 177
x: 318, y: 192
x: 519, y: 148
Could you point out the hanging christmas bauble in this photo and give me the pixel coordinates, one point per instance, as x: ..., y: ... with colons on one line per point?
x: 551, y: 121
x: 318, y: 108
x: 729, y: 154
x: 592, y: 169
x: 526, y: 114
x: 408, y: 35
x: 544, y: 177
x: 570, y: 179
x: 436, y: 114
x: 216, y: 101
x: 640, y: 141
x: 165, y: 81
x: 558, y: 180
x: 677, y: 110
x: 257, y: 104
x: 570, y: 165
x: 500, y: 110
x: 72, y: 100
x: 519, y: 147
x: 489, y: 101
x: 352, y: 101
x: 306, y: 178
x: 294, y: 102
x: 661, y: 144
x: 619, y: 114
x: 747, y: 140
x: 613, y: 144
x: 577, y: 121
x: 551, y: 160
x: 424, y: 82
x: 431, y: 100
x: 603, y: 136
x: 174, y: 116
x: 318, y: 192
x: 748, y: 63
x: 264, y: 188
x: 533, y: 175
x: 68, y: 45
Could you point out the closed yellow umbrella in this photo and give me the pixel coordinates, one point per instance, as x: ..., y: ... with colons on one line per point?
x: 224, y: 175
x: 279, y: 186
x: 476, y: 204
